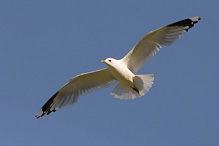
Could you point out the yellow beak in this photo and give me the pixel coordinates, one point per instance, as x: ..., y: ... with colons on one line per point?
x: 103, y: 61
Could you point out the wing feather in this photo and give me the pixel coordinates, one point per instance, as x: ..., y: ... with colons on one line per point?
x: 79, y: 85
x: 152, y: 42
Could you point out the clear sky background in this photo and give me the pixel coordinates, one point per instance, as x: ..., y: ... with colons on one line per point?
x: 43, y: 44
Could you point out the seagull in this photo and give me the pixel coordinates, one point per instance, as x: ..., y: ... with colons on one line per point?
x: 130, y: 85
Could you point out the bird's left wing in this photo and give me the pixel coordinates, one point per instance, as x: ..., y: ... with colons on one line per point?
x: 79, y: 85
x: 152, y: 42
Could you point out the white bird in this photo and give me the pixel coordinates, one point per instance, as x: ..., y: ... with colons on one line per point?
x: 123, y: 71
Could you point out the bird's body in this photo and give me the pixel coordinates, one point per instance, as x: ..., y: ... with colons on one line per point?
x: 130, y: 85
x: 120, y: 71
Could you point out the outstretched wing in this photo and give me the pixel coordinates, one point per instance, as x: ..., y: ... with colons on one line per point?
x: 79, y: 85
x: 152, y: 42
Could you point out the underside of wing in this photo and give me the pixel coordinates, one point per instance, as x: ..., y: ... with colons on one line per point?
x: 152, y: 42
x: 79, y: 85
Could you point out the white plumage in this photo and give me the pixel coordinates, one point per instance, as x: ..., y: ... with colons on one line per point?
x: 123, y: 71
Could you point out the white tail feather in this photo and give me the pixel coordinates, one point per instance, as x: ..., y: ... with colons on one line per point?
x: 142, y: 82
x: 124, y: 92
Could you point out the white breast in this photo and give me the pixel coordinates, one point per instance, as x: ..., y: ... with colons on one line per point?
x: 121, y: 72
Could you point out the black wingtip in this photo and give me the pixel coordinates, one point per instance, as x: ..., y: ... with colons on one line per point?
x: 186, y: 22
x: 38, y: 116
x: 46, y: 109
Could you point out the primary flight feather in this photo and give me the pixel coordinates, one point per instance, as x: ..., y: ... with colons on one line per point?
x: 123, y: 71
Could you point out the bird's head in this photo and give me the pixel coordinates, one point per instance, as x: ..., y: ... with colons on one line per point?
x: 109, y: 61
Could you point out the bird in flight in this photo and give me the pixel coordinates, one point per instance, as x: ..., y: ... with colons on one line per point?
x: 130, y: 85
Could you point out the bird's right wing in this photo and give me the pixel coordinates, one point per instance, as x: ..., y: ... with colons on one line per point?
x: 79, y: 85
x: 152, y: 42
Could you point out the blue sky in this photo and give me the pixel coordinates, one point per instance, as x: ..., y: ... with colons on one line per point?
x: 46, y: 43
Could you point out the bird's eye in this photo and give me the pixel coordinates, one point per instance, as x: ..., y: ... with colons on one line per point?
x: 109, y: 60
